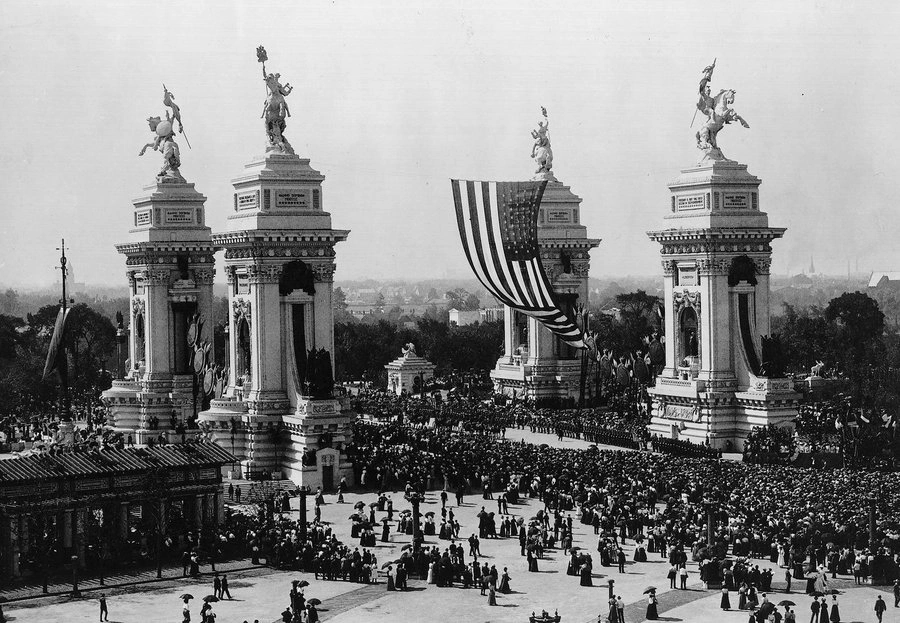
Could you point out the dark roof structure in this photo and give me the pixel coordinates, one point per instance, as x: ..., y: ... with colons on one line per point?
x: 111, y: 462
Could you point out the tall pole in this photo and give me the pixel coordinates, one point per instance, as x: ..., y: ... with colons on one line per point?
x: 304, y: 491
x: 64, y: 378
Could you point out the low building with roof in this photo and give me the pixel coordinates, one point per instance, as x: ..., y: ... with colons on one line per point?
x: 56, y: 506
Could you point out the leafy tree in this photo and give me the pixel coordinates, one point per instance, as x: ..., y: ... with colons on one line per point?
x: 860, y: 322
x: 9, y: 303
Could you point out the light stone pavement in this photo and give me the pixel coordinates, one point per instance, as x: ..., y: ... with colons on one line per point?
x: 263, y: 594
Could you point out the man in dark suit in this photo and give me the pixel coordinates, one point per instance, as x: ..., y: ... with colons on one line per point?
x: 814, y: 610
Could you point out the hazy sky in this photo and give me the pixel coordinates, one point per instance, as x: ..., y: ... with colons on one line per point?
x: 392, y: 99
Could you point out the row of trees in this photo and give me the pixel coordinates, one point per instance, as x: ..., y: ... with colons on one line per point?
x: 362, y: 349
x: 91, y: 341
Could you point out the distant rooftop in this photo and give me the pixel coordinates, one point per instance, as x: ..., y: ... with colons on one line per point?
x: 882, y: 277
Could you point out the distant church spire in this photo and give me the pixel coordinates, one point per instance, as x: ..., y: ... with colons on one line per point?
x: 812, y: 267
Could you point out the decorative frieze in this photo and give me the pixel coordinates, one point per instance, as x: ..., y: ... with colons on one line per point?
x: 323, y: 272
x: 240, y: 309
x: 264, y: 273
x: 685, y: 298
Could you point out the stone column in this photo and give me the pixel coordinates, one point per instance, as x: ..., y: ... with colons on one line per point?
x: 123, y: 520
x: 68, y: 527
x: 11, y: 547
x: 80, y: 520
x: 220, y: 508
x: 209, y: 506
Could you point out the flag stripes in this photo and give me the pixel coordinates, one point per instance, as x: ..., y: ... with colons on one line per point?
x: 498, y: 228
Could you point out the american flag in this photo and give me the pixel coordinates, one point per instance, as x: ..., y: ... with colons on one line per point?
x: 498, y: 228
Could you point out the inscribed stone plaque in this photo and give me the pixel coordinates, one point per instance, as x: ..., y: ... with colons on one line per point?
x: 558, y: 216
x: 732, y: 201
x: 179, y: 215
x: 691, y: 202
x: 248, y: 201
x: 297, y: 199
x: 142, y: 218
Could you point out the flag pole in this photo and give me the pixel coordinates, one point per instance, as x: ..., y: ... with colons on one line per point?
x: 64, y: 378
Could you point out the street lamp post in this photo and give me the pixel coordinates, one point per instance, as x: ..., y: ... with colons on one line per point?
x: 415, y: 499
x: 75, y: 591
x: 303, y: 491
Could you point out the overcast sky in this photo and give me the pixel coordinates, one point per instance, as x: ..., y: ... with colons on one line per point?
x: 393, y: 99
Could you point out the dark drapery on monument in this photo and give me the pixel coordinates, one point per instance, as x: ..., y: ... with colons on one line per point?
x: 319, y: 377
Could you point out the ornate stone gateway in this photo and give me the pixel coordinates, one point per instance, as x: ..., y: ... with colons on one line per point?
x: 716, y: 255
x: 278, y: 410
x: 170, y: 269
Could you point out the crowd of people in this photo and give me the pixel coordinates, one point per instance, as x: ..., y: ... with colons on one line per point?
x: 753, y: 506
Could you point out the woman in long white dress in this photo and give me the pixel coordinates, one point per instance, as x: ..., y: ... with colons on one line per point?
x: 430, y: 573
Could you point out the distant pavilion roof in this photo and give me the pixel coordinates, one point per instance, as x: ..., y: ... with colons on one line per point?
x: 80, y: 463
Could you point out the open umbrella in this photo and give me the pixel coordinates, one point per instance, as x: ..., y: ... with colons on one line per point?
x: 210, y: 598
x: 315, y: 601
x: 406, y: 547
x: 429, y: 514
x: 373, y: 504
x: 359, y: 504
x: 186, y: 596
x: 302, y: 584
x: 650, y: 589
x: 786, y: 602
x: 406, y: 512
x: 353, y: 516
x: 387, y: 564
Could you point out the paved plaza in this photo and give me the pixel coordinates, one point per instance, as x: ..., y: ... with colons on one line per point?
x: 263, y: 593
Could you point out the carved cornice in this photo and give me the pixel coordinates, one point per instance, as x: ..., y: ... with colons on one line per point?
x: 275, y: 249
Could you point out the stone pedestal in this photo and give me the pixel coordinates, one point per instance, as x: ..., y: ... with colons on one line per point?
x: 535, y: 363
x: 279, y: 261
x: 408, y: 373
x: 716, y: 255
x: 170, y: 272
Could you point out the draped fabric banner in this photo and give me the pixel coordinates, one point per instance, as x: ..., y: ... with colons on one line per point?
x: 498, y: 228
x: 56, y: 355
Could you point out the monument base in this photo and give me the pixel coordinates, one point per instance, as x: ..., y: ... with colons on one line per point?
x: 305, y: 446
x: 550, y: 380
x: 694, y: 411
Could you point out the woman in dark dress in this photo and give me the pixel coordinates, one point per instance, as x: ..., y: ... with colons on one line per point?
x: 586, y: 573
x: 504, y: 582
x: 652, y: 613
x: 726, y: 601
x: 835, y: 611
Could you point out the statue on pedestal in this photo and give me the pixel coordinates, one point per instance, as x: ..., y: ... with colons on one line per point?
x: 718, y: 113
x: 164, y: 141
x: 409, y: 350
x: 541, y: 151
x: 275, y: 109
